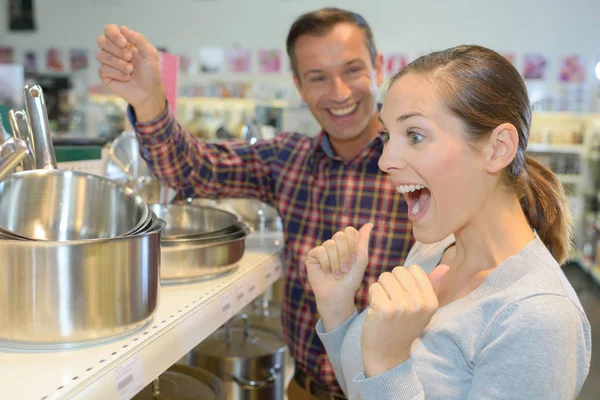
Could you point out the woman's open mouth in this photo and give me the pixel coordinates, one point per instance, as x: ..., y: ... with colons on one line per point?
x: 418, y: 198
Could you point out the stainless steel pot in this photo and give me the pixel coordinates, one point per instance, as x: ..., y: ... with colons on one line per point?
x: 61, y: 205
x: 56, y: 295
x: 182, y: 382
x: 202, y: 260
x: 249, y: 361
x: 185, y: 220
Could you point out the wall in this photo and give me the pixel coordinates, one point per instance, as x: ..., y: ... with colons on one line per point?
x: 554, y: 27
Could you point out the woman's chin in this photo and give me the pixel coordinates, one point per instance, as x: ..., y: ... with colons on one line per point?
x: 429, y: 235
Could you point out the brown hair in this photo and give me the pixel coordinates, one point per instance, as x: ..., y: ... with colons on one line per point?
x: 320, y: 23
x: 484, y: 90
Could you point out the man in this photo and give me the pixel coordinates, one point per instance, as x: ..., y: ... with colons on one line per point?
x: 319, y: 184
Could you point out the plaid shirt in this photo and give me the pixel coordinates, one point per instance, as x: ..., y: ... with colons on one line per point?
x: 316, y: 193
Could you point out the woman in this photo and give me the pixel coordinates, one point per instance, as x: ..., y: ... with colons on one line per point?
x: 495, y: 317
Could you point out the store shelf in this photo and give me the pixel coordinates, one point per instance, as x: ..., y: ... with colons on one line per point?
x: 595, y: 272
x: 571, y: 178
x: 187, y: 314
x: 556, y: 148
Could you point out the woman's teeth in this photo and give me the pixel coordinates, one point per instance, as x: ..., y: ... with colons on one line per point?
x: 340, y: 112
x: 415, y: 210
x: 409, y: 188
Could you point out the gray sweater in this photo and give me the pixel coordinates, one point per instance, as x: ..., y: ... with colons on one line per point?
x: 522, y: 334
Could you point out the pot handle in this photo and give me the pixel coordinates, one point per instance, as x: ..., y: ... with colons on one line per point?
x: 246, y: 327
x: 259, y: 384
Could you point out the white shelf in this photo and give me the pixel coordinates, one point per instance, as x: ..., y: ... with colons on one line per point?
x: 571, y: 178
x: 556, y: 148
x: 186, y: 315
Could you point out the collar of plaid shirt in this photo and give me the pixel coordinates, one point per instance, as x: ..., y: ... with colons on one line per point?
x: 316, y: 193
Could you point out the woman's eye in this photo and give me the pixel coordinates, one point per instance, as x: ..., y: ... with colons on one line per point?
x: 385, y: 136
x: 415, y: 137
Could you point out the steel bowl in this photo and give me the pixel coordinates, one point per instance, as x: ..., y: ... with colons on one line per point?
x: 126, y: 165
x: 60, y: 295
x: 185, y: 220
x: 202, y: 261
x: 61, y: 205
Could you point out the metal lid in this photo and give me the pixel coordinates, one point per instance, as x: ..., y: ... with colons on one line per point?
x: 241, y: 341
x: 181, y: 382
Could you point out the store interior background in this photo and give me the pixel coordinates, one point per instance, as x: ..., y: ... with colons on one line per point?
x: 567, y: 118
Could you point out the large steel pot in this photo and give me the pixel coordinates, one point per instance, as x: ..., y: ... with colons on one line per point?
x: 249, y: 361
x: 56, y: 295
x: 182, y: 382
x: 61, y: 205
x: 195, y: 260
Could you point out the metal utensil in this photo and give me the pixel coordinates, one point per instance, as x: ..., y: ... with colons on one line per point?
x: 57, y: 295
x: 20, y: 127
x: 43, y: 148
x: 68, y: 205
x: 16, y: 152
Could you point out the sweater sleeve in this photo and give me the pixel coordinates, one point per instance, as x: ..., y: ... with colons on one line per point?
x: 332, y: 341
x: 537, y: 348
x: 399, y: 383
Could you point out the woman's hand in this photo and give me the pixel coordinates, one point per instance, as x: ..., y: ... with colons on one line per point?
x: 402, y: 304
x: 335, y: 272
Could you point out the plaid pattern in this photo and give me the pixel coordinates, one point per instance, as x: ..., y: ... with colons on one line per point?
x: 316, y: 194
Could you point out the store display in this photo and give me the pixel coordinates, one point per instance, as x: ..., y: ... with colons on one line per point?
x: 269, y: 61
x: 79, y: 59
x: 199, y: 242
x: 250, y: 361
x: 182, y: 382
x: 54, y: 60
x: 56, y: 247
x: 535, y: 66
x: 7, y: 55
x: 239, y: 60
x: 211, y: 59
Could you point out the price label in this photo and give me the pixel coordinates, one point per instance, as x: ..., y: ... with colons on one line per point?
x: 253, y: 287
x: 129, y: 378
x: 240, y: 294
x: 227, y: 305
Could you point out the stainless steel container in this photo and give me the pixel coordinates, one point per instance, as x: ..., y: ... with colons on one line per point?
x: 68, y: 205
x: 249, y: 361
x: 195, y: 260
x: 56, y: 295
x: 185, y: 220
x: 182, y: 382
x: 126, y: 165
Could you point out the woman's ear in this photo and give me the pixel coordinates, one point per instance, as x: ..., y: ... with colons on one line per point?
x: 502, y: 147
